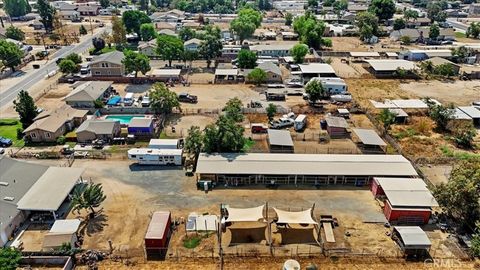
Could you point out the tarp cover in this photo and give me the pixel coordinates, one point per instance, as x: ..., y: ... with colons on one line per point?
x: 245, y: 214
x: 302, y: 217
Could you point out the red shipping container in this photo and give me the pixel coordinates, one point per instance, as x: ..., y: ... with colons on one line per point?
x: 158, y: 233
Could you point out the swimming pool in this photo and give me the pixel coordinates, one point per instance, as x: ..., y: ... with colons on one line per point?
x: 124, y: 119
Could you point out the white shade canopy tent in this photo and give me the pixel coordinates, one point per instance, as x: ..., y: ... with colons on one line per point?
x: 301, y: 217
x: 254, y: 214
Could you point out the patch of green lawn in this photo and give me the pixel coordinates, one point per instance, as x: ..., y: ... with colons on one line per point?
x: 460, y: 35
x: 8, y: 129
x: 192, y: 241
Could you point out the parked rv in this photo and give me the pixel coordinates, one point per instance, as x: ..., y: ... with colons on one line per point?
x: 149, y: 156
x: 300, y: 122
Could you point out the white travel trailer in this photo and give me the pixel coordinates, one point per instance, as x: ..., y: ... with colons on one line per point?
x: 165, y: 144
x: 333, y: 85
x: 300, y: 122
x: 148, y: 156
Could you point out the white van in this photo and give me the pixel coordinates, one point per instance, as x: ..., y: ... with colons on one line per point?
x: 300, y: 122
x: 128, y: 99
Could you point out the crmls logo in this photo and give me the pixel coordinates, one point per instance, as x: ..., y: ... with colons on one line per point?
x: 443, y: 263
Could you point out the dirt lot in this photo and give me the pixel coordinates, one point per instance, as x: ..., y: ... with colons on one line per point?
x: 457, y: 92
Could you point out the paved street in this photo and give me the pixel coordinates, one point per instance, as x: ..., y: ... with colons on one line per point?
x: 36, y: 76
x: 459, y: 26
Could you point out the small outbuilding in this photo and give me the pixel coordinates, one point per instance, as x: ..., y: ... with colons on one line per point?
x: 280, y: 141
x: 165, y: 74
x: 336, y: 126
x: 226, y: 75
x: 401, y: 117
x: 370, y: 142
x: 412, y: 240
x: 62, y: 231
x: 472, y: 112
x: 388, y: 67
x: 158, y: 235
x: 141, y: 127
x: 312, y: 70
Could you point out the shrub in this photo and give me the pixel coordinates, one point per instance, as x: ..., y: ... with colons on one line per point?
x: 61, y: 140
x: 19, y: 133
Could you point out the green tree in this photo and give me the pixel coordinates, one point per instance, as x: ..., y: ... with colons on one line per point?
x: 87, y: 197
x: 47, y: 14
x: 233, y: 109
x: 82, y: 30
x: 440, y: 114
x: 54, y: 37
x: 10, y: 55
x: 463, y: 133
x: 135, y: 62
x: 398, y: 24
x: 15, y: 33
x: 105, y: 3
x: 9, y: 258
x: 16, y: 8
x: 387, y: 118
x: 193, y: 141
x: 473, y: 30
x: 245, y: 24
x: 476, y: 241
x: 186, y: 33
x: 313, y: 4
x: 271, y: 111
x: 410, y: 14
x: 288, y: 19
x: 339, y: 7
x: 328, y: 3
x: 25, y: 107
x: 406, y: 40
x: 384, y: 9
x: 76, y: 58
x: 224, y: 136
x: 212, y: 46
x: 315, y: 90
x: 298, y: 52
x: 163, y: 101
x: 147, y: 31
x: 434, y: 31
x: 67, y: 66
x: 143, y: 5
x: 435, y: 12
x: 446, y: 70
x: 459, y: 197
x: 247, y: 59
x: 119, y: 33
x: 169, y: 48
x: 461, y: 53
x: 367, y: 22
x: 133, y: 19
x: 310, y: 30
x: 257, y: 76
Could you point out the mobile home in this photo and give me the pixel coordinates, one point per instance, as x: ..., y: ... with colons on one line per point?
x: 148, y: 156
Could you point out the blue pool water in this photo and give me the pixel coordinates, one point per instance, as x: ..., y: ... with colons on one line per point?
x: 124, y: 119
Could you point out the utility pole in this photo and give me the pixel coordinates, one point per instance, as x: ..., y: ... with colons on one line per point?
x: 90, y: 19
x: 220, y: 231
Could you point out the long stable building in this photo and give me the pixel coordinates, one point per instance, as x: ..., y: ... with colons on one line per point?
x: 300, y: 169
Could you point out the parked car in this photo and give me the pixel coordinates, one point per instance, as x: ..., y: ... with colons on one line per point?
x: 184, y: 97
x: 5, y: 142
x: 259, y: 128
x: 85, y: 69
x: 282, y: 123
x: 145, y: 101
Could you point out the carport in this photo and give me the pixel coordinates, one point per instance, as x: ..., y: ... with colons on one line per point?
x: 51, y: 190
x: 280, y: 141
x: 251, y: 228
x: 412, y: 240
x: 370, y: 142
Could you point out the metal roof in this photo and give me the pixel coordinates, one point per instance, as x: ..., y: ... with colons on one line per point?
x: 226, y: 72
x: 333, y: 121
x: 460, y: 115
x: 304, y: 164
x: 369, y: 136
x: 158, y: 225
x: 399, y: 112
x: 98, y: 126
x: 163, y: 142
x: 470, y: 111
x: 316, y: 68
x: 154, y: 151
x: 398, y: 184
x: 165, y: 72
x: 65, y: 226
x: 364, y: 54
x: 413, y: 236
x: 115, y: 57
x: 88, y: 91
x: 279, y: 137
x: 51, y: 189
x: 410, y: 198
x: 140, y: 122
x: 390, y: 64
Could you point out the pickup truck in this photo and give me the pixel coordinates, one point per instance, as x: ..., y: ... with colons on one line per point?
x: 282, y: 123
x: 184, y: 97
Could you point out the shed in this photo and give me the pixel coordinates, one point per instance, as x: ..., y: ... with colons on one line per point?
x: 412, y: 240
x: 336, y: 126
x: 388, y: 67
x: 158, y: 234
x: 226, y: 75
x: 401, y: 117
x: 165, y: 74
x: 141, y: 127
x: 369, y: 140
x: 62, y: 231
x: 280, y: 141
x: 472, y: 112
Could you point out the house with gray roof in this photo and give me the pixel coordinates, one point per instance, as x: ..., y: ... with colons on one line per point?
x: 272, y: 50
x: 192, y: 44
x: 274, y: 74
x: 85, y: 94
x: 108, y: 65
x: 98, y: 129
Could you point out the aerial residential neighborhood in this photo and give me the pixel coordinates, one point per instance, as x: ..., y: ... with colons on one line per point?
x: 266, y: 134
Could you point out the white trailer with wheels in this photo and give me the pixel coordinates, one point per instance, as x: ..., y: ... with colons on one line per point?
x: 300, y: 122
x: 148, y: 156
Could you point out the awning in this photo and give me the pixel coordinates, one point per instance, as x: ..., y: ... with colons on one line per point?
x: 413, y: 237
x: 369, y: 137
x: 302, y: 217
x: 245, y: 214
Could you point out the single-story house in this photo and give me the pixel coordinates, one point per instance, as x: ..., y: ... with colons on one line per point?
x: 98, y: 129
x: 90, y: 9
x: 437, y: 61
x: 173, y: 15
x: 227, y: 75
x: 191, y: 24
x: 50, y: 125
x: 301, y: 169
x: 165, y: 74
x: 192, y: 44
x: 141, y: 127
x: 388, y: 67
x: 418, y: 22
x: 28, y: 189
x: 336, y: 126
x: 277, y: 50
x: 421, y: 34
x: 420, y: 55
x: 69, y: 14
x: 288, y: 35
x: 280, y: 141
x: 312, y: 70
x: 274, y: 74
x: 108, y: 65
x: 148, y: 48
x: 168, y: 32
x: 62, y: 231
x: 412, y: 240
x: 63, y: 6
x: 85, y: 94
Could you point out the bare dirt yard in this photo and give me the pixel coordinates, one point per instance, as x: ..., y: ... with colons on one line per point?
x: 456, y: 92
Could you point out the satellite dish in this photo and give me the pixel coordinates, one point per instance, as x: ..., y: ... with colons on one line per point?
x: 291, y: 265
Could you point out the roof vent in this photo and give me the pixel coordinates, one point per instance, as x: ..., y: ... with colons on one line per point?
x: 10, y: 199
x: 4, y: 184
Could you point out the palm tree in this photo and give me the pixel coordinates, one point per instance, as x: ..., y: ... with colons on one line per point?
x: 87, y: 197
